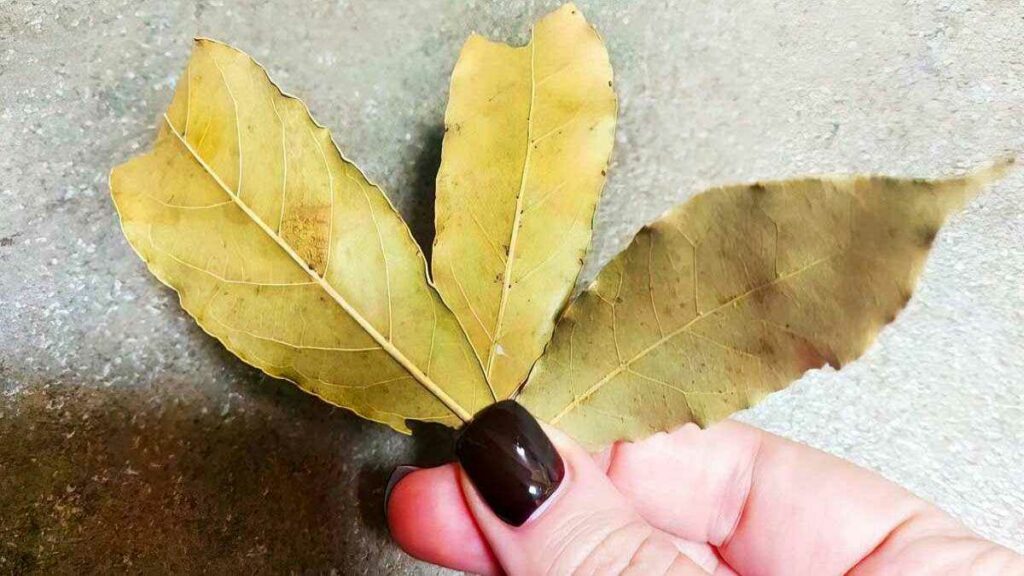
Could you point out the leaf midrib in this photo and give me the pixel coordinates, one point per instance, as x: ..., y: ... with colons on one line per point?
x: 514, y: 238
x: 384, y: 343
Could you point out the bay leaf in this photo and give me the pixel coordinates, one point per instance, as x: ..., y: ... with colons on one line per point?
x: 529, y: 132
x: 282, y: 249
x: 734, y: 295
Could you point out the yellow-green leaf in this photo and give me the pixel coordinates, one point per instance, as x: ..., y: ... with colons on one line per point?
x: 529, y: 132
x: 736, y: 294
x: 282, y: 250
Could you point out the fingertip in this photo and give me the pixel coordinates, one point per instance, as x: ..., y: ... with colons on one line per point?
x: 428, y: 518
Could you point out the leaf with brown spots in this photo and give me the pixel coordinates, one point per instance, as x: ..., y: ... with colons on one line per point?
x: 282, y: 250
x: 530, y: 131
x: 734, y: 295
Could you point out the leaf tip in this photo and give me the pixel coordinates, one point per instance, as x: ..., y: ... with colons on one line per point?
x: 571, y: 7
x: 992, y: 171
x: 200, y: 40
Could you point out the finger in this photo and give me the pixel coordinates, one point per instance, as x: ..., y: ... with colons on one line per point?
x: 929, y: 544
x: 545, y: 507
x: 771, y: 506
x: 429, y: 519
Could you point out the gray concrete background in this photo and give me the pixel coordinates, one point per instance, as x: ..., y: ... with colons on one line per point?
x: 130, y: 441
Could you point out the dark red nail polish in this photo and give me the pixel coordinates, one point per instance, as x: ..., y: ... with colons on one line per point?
x: 509, y: 460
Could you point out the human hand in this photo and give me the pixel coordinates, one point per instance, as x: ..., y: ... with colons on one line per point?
x: 728, y: 500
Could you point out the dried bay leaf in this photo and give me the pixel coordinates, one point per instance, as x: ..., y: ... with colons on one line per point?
x: 734, y: 295
x: 282, y: 250
x: 529, y: 132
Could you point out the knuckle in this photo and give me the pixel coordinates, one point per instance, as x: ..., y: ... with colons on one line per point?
x: 593, y: 544
x: 631, y: 549
x: 655, y: 555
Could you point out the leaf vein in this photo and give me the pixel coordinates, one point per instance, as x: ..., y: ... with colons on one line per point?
x: 292, y: 344
x: 394, y: 352
x: 625, y: 366
x: 214, y: 275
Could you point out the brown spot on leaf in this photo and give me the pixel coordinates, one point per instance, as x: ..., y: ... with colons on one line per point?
x: 905, y: 294
x: 306, y: 230
x: 927, y: 236
x: 810, y: 356
x: 759, y: 295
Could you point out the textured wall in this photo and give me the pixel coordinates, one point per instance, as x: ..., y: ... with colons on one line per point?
x: 130, y: 439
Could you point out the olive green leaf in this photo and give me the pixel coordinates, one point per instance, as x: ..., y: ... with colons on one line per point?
x: 734, y: 295
x: 529, y: 132
x: 282, y: 250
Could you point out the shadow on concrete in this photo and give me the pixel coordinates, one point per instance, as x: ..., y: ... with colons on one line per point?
x: 170, y: 478
x: 424, y: 190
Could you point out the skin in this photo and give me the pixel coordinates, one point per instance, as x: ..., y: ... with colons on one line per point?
x: 729, y: 500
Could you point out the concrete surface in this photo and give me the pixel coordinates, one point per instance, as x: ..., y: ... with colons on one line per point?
x: 130, y: 441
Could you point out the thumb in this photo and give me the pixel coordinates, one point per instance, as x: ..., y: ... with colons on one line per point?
x: 545, y: 507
